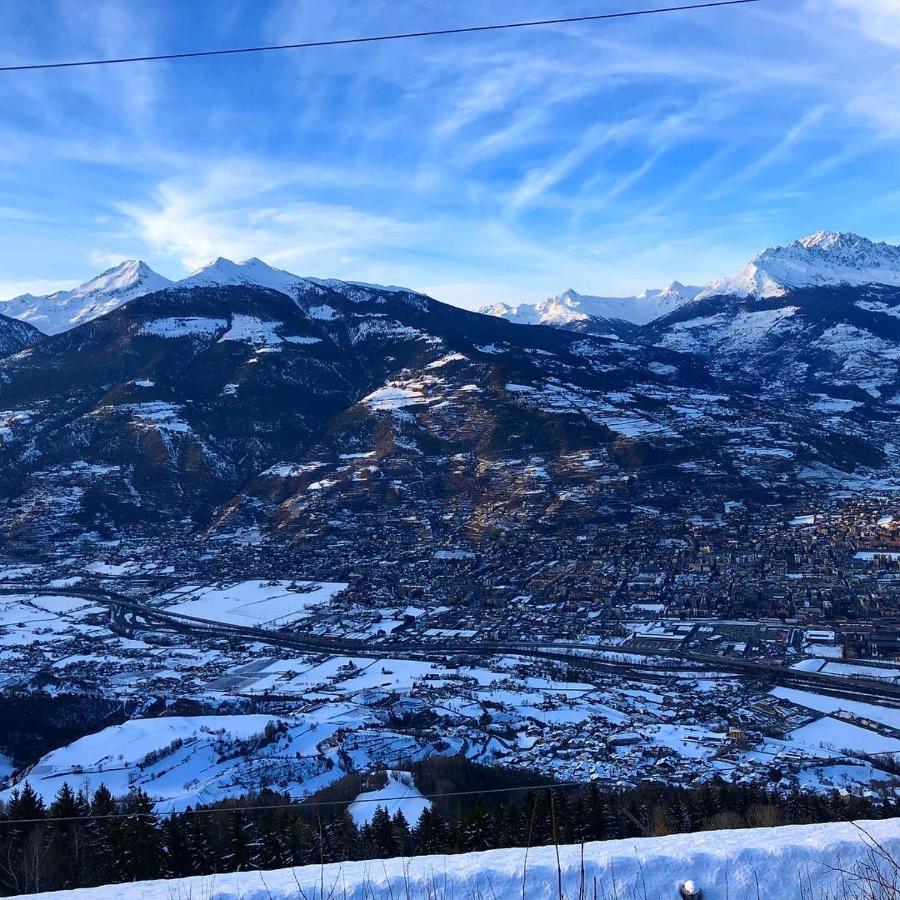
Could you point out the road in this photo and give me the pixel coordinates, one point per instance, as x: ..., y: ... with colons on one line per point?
x: 130, y: 614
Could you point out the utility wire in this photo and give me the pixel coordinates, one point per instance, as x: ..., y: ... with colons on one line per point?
x: 297, y: 803
x: 341, y: 42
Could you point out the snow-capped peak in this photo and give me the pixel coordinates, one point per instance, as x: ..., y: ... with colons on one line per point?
x: 60, y: 311
x: 570, y: 307
x: 128, y: 276
x: 819, y: 260
x: 251, y: 271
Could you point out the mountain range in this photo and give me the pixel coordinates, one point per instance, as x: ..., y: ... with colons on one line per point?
x: 582, y: 312
x: 820, y: 260
x: 252, y: 401
x: 824, y: 259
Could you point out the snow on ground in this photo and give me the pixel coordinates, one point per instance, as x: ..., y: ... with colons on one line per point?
x: 324, y: 312
x: 394, y: 396
x: 879, y: 306
x: 847, y: 670
x: 854, y: 671
x: 399, y: 795
x: 833, y: 734
x: 885, y: 715
x: 802, y: 520
x: 182, y: 326
x: 726, y: 333
x: 291, y: 470
x: 260, y: 333
x: 156, y: 414
x: 833, y: 404
x: 445, y: 360
x: 738, y: 865
x: 824, y: 651
x: 258, y: 603
x: 188, y: 769
x: 568, y: 399
x: 384, y: 330
x: 11, y: 420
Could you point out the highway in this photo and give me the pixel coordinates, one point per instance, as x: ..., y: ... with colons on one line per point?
x: 130, y: 614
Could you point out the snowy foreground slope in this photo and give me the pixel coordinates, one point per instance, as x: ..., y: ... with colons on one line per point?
x: 791, y: 863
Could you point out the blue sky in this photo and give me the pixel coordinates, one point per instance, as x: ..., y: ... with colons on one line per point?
x: 608, y: 157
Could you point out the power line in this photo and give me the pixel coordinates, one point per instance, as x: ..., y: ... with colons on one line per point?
x: 342, y: 42
x: 295, y: 803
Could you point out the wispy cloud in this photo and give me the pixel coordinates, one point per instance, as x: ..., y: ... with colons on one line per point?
x: 877, y: 20
x: 606, y: 157
x: 231, y: 211
x: 797, y: 132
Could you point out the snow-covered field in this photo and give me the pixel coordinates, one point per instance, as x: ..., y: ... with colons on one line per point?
x: 260, y: 603
x: 186, y: 760
x: 789, y: 863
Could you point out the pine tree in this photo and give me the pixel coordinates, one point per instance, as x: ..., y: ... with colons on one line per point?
x: 342, y: 841
x: 69, y: 837
x: 240, y: 840
x: 199, y: 842
x: 382, y: 836
x: 177, y: 847
x: 402, y: 834
x: 103, y: 862
x: 300, y: 842
x: 478, y: 828
x: 272, y: 851
x: 28, y: 842
x: 139, y: 839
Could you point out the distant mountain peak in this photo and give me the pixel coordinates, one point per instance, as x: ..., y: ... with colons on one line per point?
x: 253, y: 271
x: 62, y: 310
x: 818, y: 260
x: 570, y: 307
x: 127, y: 274
x: 826, y: 239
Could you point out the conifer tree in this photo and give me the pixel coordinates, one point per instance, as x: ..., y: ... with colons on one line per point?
x: 238, y: 854
x: 176, y: 845
x: 101, y: 837
x: 382, y: 836
x: 199, y: 842
x: 431, y: 832
x: 139, y: 839
x: 69, y: 837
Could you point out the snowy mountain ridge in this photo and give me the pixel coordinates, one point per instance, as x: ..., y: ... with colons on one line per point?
x: 823, y: 259
x: 253, y: 271
x: 62, y: 310
x: 819, y: 260
x: 570, y: 307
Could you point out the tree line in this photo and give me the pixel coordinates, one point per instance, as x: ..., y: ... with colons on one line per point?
x: 81, y: 840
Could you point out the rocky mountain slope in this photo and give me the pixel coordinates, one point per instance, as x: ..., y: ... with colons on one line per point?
x: 16, y: 335
x: 252, y: 400
x: 176, y: 399
x: 820, y: 317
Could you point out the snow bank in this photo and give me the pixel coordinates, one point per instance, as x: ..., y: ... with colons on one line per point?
x: 739, y: 865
